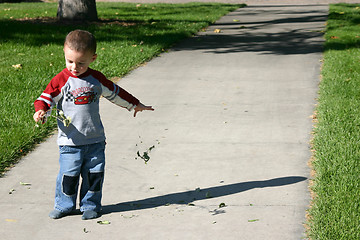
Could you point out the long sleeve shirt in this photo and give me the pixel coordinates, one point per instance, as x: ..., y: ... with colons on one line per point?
x: 78, y: 98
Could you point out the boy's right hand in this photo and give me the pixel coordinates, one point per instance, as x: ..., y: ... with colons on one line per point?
x: 39, y: 115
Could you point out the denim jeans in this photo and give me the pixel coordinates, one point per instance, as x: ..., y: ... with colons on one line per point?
x: 87, y: 161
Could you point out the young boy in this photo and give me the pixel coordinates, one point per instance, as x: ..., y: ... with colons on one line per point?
x: 76, y: 91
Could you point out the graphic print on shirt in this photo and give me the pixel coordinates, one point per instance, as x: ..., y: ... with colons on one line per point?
x: 85, y: 98
x: 81, y: 96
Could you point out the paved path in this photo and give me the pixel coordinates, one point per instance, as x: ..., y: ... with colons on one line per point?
x: 231, y: 126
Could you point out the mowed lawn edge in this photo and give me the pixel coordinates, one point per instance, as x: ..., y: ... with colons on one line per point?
x: 335, y: 209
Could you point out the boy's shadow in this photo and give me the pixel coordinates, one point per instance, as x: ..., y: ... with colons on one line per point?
x: 199, y: 194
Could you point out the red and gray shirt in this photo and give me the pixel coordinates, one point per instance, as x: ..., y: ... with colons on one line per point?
x: 78, y: 98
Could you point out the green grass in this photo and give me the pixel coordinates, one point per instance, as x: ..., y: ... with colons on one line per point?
x: 335, y: 212
x: 128, y: 35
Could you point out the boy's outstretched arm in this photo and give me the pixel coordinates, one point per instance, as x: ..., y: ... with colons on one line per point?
x: 141, y: 107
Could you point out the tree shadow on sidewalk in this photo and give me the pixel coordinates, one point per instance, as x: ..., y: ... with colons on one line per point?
x: 290, y: 31
x: 187, y: 197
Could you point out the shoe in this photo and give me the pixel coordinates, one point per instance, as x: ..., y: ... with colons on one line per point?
x: 56, y: 214
x: 89, y: 214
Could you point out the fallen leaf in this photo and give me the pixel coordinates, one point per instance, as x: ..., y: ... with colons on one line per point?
x: 11, y: 191
x: 105, y: 222
x: 85, y: 231
x: 145, y: 156
x: 25, y: 184
x: 11, y: 220
x: 334, y: 37
x: 217, y: 30
x: 253, y: 220
x: 221, y: 205
x: 17, y: 66
x: 236, y: 20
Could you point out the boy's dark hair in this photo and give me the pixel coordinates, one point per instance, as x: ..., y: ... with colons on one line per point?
x: 81, y: 41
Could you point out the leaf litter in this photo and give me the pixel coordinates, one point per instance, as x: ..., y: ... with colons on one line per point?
x: 145, y: 155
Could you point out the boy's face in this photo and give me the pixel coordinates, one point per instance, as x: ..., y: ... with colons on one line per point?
x: 78, y: 62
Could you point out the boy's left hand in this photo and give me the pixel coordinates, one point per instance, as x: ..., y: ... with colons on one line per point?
x: 141, y: 107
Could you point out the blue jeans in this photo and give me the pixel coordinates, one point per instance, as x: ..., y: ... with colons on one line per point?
x: 87, y: 161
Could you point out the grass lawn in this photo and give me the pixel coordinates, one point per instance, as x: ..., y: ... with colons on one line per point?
x: 335, y: 213
x: 128, y: 35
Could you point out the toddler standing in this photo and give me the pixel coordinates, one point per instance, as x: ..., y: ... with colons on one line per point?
x: 76, y: 91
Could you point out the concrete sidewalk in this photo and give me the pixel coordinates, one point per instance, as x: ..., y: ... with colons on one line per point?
x: 231, y: 126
